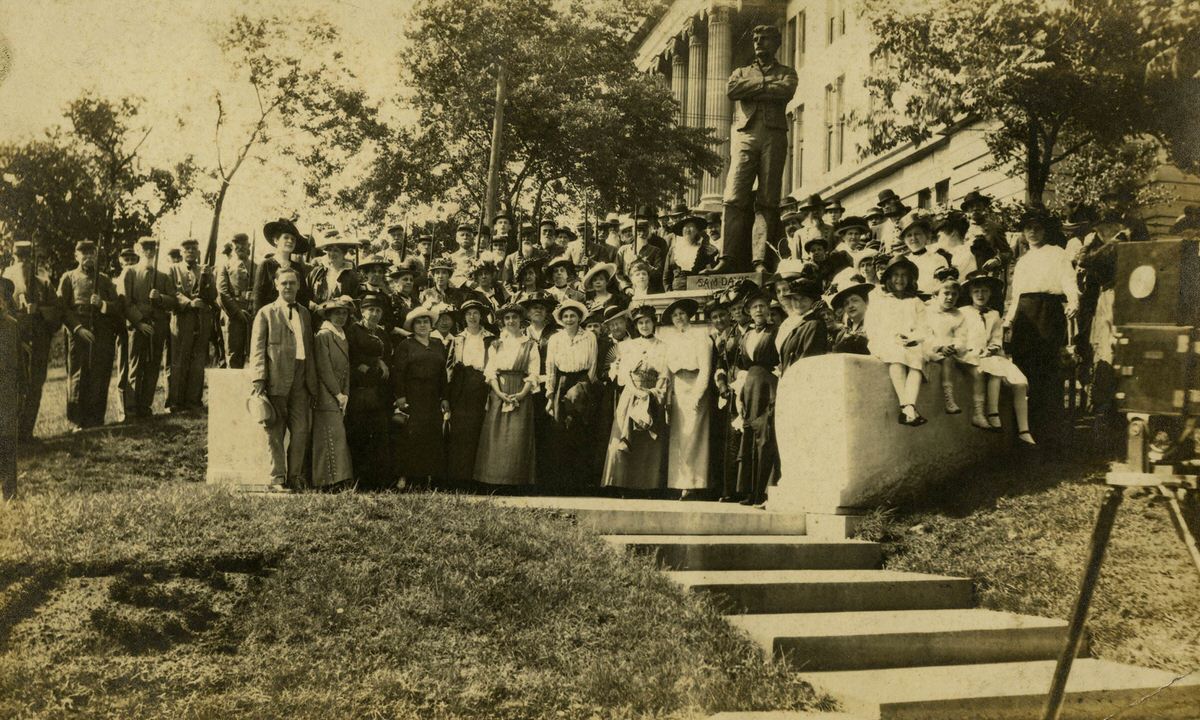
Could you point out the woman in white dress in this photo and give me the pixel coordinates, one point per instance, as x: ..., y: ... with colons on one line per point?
x: 690, y: 362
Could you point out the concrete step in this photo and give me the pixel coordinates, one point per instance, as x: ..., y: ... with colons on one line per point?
x: 903, y: 638
x: 787, y: 715
x: 799, y: 591
x: 1008, y: 691
x: 752, y: 552
x: 661, y: 517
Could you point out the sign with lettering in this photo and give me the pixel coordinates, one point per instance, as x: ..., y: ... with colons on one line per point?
x: 712, y: 283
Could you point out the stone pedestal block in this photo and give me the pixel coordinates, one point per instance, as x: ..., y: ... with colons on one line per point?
x: 237, y: 445
x: 842, y: 450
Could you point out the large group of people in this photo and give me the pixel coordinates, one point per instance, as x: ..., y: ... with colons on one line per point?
x: 532, y: 358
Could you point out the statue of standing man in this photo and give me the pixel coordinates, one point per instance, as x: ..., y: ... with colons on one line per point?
x: 757, y: 151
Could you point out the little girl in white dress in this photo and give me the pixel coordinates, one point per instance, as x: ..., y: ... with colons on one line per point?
x: 947, y: 341
x: 985, y: 350
x: 895, y: 328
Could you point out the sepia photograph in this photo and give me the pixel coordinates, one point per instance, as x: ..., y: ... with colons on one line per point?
x: 600, y: 359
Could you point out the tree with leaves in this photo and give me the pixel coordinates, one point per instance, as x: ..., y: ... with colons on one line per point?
x: 1046, y: 81
x: 307, y: 106
x: 578, y: 111
x: 87, y: 182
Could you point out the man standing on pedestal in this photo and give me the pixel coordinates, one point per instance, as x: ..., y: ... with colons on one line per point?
x: 758, y: 149
x: 236, y: 299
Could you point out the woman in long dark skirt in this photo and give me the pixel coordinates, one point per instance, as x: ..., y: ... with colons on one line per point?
x: 507, y: 454
x: 419, y: 383
x: 540, y: 329
x: 758, y: 457
x: 370, y: 405
x: 571, y: 400
x: 637, y: 444
x: 468, y: 392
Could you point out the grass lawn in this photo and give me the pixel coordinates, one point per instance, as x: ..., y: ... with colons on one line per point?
x: 128, y: 588
x: 1021, y: 531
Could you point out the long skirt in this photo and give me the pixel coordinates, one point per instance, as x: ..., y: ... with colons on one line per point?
x: 421, y: 450
x: 367, y: 433
x: 636, y: 457
x: 331, y: 454
x: 468, y: 402
x: 606, y: 410
x: 758, y: 455
x: 1039, y: 335
x: 687, y: 456
x: 571, y: 436
x: 506, y: 454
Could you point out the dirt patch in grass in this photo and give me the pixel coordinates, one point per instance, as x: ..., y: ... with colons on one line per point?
x: 1020, y: 530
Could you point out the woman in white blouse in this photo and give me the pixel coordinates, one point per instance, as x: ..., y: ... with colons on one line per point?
x: 467, y: 391
x: 570, y: 399
x: 689, y: 360
x: 637, y: 443
x: 506, y: 452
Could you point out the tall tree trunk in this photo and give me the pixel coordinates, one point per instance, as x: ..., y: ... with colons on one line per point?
x: 1035, y: 181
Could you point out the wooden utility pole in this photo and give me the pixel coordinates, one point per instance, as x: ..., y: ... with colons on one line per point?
x: 489, y: 210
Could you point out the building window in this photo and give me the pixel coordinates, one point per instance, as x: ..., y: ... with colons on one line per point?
x: 839, y: 92
x: 801, y: 37
x: 923, y: 199
x: 798, y: 148
x: 941, y: 192
x: 829, y: 125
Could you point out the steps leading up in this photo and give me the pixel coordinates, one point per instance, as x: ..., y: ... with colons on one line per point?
x: 662, y: 517
x: 797, y: 591
x: 865, y: 640
x: 752, y: 552
x: 1008, y: 691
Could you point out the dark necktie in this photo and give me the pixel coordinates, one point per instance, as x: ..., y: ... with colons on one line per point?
x: 291, y: 309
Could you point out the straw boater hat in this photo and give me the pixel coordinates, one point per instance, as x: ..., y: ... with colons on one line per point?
x: 275, y: 228
x: 260, y: 409
x: 421, y: 311
x: 569, y: 304
x: 688, y: 305
x: 609, y: 269
x: 332, y: 238
x: 474, y: 303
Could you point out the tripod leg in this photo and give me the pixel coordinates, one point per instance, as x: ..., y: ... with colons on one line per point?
x: 1096, y: 549
x: 1181, y: 527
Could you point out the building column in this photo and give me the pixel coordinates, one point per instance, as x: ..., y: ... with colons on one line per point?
x: 697, y: 71
x: 719, y: 106
x: 678, y: 77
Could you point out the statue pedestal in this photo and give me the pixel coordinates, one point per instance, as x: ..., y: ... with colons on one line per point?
x: 842, y: 451
x: 237, y: 445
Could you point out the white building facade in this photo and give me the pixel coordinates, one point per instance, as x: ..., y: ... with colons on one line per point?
x: 695, y: 44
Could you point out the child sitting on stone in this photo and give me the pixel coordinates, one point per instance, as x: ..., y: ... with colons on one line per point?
x: 946, y: 343
x: 985, y: 351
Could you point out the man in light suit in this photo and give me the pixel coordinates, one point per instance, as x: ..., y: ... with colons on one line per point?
x: 283, y: 368
x: 758, y: 149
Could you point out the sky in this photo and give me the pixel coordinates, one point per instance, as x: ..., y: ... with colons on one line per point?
x: 166, y: 52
